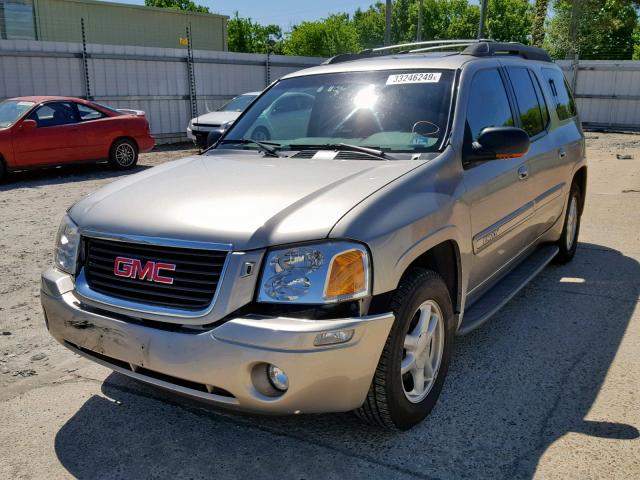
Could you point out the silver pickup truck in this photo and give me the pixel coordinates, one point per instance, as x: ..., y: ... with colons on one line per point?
x: 324, y: 261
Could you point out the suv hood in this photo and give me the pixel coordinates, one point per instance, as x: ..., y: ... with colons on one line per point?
x: 246, y: 200
x: 216, y: 118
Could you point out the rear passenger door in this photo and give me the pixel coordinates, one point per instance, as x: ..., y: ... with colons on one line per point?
x: 545, y: 189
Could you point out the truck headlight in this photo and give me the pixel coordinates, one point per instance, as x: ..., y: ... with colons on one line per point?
x: 320, y: 273
x: 67, y: 243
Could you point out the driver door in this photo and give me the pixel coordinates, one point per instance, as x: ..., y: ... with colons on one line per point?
x: 496, y: 191
x: 56, y: 140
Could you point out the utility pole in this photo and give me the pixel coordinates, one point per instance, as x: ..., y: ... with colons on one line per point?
x: 387, y: 25
x: 419, y: 33
x: 483, y: 14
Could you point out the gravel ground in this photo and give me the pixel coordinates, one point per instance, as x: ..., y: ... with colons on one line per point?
x: 549, y: 388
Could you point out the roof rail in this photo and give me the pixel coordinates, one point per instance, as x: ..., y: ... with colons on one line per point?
x: 488, y: 49
x: 474, y: 47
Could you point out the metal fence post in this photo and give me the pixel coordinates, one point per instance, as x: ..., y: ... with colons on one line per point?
x: 85, y: 63
x: 267, y: 70
x: 191, y: 76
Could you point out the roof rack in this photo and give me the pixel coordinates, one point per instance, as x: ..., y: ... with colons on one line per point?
x: 487, y: 49
x: 474, y: 47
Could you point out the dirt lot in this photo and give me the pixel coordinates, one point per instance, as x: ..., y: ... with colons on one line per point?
x: 549, y: 388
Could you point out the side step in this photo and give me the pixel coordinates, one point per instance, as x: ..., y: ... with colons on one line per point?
x: 506, y: 288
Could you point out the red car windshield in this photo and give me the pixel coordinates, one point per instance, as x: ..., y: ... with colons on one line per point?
x: 12, y: 110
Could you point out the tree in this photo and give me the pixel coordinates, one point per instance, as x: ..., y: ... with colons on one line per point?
x: 186, y: 5
x: 604, y: 29
x: 636, y: 42
x: 537, y: 28
x: 509, y: 20
x: 247, y: 36
x: 331, y: 36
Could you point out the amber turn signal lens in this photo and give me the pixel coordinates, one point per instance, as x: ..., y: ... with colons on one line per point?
x: 346, y: 275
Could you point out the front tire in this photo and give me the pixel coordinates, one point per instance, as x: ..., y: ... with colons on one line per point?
x: 260, y: 134
x: 569, y: 239
x: 416, y: 356
x: 123, y: 154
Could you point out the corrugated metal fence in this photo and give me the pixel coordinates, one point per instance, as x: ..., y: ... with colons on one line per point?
x: 156, y: 80
x: 151, y: 79
x: 607, y: 92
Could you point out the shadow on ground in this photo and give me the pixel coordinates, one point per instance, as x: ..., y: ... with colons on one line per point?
x: 526, y: 378
x: 80, y: 172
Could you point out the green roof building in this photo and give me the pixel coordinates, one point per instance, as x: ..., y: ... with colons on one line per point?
x: 109, y: 23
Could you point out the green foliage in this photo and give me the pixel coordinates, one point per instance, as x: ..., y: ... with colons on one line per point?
x: 604, y: 29
x: 326, y: 38
x: 249, y: 37
x: 509, y: 20
x: 636, y: 42
x: 537, y: 25
x: 186, y: 5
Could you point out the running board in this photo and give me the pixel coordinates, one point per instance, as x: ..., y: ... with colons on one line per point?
x: 506, y: 288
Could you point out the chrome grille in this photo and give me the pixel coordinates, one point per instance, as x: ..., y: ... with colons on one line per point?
x: 195, y: 278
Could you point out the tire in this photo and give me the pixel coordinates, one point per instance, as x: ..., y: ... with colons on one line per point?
x: 388, y: 403
x: 3, y: 171
x: 123, y: 154
x: 261, y: 134
x: 568, y: 241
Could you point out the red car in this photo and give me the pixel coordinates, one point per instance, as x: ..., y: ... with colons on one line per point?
x: 41, y: 131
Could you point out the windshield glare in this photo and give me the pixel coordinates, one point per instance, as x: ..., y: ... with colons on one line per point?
x: 237, y: 104
x: 12, y: 110
x: 391, y: 110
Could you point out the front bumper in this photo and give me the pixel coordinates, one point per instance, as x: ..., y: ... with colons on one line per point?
x: 223, y: 364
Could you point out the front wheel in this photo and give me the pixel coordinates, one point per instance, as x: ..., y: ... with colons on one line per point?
x: 569, y: 239
x: 416, y: 356
x: 123, y: 154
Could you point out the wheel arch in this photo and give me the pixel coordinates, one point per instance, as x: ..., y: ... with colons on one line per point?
x: 580, y: 178
x: 124, y: 137
x: 444, y: 259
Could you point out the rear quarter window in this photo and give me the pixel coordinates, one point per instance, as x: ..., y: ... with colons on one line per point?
x: 565, y: 106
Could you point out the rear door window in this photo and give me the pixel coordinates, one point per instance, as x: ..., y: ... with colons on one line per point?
x: 488, y: 104
x: 529, y: 106
x: 564, y: 105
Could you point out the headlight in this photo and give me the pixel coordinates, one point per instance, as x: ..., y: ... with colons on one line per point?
x: 316, y: 273
x: 67, y: 243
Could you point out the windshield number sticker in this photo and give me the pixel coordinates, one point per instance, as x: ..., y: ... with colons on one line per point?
x: 422, y: 77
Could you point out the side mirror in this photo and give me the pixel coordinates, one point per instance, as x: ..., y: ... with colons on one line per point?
x: 214, y: 136
x: 499, y: 143
x: 28, y: 124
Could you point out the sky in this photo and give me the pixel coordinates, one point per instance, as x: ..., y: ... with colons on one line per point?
x: 280, y: 12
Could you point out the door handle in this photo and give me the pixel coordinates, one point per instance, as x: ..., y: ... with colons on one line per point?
x: 562, y: 153
x: 523, y: 172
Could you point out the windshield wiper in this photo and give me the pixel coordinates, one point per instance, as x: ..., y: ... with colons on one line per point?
x: 343, y: 146
x: 270, y: 148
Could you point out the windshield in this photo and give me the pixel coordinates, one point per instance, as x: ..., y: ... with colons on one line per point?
x: 389, y: 110
x: 12, y: 110
x: 237, y: 104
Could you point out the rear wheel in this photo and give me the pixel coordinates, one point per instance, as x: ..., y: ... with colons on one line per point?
x: 416, y: 356
x: 569, y: 239
x: 123, y: 154
x: 3, y: 170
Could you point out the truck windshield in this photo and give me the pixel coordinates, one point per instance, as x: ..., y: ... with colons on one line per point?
x: 393, y: 110
x: 12, y: 110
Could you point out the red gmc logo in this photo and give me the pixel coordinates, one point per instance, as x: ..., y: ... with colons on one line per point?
x: 132, y: 268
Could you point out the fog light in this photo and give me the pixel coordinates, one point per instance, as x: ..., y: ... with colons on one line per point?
x: 278, y: 378
x: 332, y: 338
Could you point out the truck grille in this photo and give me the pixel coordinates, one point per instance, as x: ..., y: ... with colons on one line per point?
x: 194, y: 280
